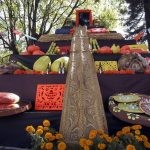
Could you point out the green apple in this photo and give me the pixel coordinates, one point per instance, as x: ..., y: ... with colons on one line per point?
x: 60, y: 62
x: 115, y: 49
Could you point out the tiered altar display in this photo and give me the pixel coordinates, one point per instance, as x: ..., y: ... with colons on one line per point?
x: 25, y: 85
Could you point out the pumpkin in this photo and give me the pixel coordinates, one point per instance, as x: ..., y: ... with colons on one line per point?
x: 105, y: 50
x: 32, y: 48
x: 125, y: 49
x: 38, y: 52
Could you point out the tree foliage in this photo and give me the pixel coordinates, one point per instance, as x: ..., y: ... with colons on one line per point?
x: 135, y: 20
x: 38, y: 17
x: 138, y: 17
x: 33, y: 17
x: 107, y: 11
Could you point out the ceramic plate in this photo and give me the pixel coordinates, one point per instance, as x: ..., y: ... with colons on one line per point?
x: 126, y: 98
x: 130, y: 107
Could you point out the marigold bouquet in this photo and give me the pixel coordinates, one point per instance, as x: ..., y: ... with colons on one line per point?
x: 129, y: 138
x: 46, y: 138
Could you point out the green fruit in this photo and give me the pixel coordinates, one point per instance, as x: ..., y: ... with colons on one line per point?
x: 126, y: 98
x: 60, y: 62
x: 115, y: 49
x: 130, y: 107
x: 42, y: 64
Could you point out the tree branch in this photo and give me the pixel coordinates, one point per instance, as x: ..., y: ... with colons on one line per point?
x: 73, y: 8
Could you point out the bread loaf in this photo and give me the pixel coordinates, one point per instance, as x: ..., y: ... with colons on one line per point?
x: 8, y: 98
x: 8, y: 106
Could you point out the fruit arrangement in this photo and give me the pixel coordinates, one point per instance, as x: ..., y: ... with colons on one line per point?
x: 141, y: 48
x: 94, y: 45
x: 43, y: 65
x: 118, y: 72
x: 105, y: 50
x: 114, y: 49
x: 35, y: 50
x: 53, y: 49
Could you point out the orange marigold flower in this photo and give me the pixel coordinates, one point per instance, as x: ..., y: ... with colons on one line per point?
x: 101, y: 131
x: 48, y: 135
x: 105, y: 135
x: 101, y: 136
x: 82, y: 142
x: 42, y: 146
x: 131, y: 134
x: 116, y: 139
x: 130, y: 147
x: 146, y: 144
x: 46, y: 128
x: 52, y: 138
x: 62, y: 146
x: 144, y: 138
x: 30, y: 129
x: 109, y: 139
x: 40, y: 127
x: 39, y: 131
x: 86, y: 147
x: 119, y: 133
x: 101, y: 146
x: 138, y: 138
x: 126, y: 130
x: 136, y: 127
x: 89, y: 142
x: 59, y: 136
x: 92, y: 134
x: 46, y: 123
x: 137, y: 132
x: 49, y: 146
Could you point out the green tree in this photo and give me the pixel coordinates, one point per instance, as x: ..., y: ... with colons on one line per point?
x: 106, y: 11
x: 38, y: 17
x: 138, y: 17
x: 33, y: 17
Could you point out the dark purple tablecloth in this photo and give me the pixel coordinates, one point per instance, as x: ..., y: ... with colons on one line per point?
x: 25, y: 86
x: 12, y: 128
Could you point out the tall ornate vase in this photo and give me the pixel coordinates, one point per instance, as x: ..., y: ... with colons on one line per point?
x: 83, y: 105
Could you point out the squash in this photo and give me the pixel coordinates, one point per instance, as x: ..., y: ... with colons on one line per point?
x: 42, y: 64
x: 105, y: 50
x: 32, y: 48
